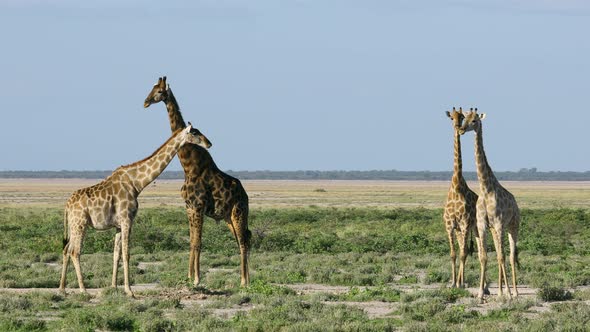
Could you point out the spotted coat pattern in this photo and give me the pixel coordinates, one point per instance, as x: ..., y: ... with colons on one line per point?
x: 113, y: 203
x: 497, y: 211
x: 207, y: 191
x: 460, y: 214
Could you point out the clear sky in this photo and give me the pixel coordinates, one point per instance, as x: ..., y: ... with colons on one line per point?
x: 291, y: 85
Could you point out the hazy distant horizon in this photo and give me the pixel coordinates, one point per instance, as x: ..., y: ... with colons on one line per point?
x: 378, y: 175
x: 297, y: 170
x: 296, y: 84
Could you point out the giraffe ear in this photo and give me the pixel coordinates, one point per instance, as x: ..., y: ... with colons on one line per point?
x: 448, y: 114
x: 482, y: 116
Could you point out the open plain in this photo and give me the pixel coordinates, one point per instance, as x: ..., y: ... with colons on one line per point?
x: 321, y: 193
x: 327, y: 255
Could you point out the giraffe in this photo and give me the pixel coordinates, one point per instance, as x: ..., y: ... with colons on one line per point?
x: 496, y: 210
x: 459, y: 214
x: 206, y: 191
x: 113, y: 203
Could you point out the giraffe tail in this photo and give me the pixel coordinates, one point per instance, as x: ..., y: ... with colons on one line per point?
x: 470, y: 250
x: 66, y: 238
x: 248, y: 237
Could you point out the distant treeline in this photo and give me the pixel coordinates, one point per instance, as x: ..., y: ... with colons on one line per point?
x: 525, y: 174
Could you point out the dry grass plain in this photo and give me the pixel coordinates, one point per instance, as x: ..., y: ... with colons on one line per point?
x: 320, y: 193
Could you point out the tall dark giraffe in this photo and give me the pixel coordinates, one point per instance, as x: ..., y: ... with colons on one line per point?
x: 206, y: 190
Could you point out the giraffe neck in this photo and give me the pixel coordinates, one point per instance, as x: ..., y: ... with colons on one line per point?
x: 458, y: 181
x: 176, y: 120
x: 487, y: 179
x: 143, y: 172
x: 193, y: 158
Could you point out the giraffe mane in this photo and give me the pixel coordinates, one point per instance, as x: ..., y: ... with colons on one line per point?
x: 154, y: 153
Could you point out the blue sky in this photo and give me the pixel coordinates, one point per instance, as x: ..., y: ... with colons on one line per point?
x: 290, y: 85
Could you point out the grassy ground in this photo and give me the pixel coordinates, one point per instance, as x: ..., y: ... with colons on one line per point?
x: 314, y: 268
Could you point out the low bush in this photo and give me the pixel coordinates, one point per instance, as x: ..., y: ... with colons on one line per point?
x: 553, y: 293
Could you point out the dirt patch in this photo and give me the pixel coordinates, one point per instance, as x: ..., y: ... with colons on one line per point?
x: 374, y: 309
x: 91, y: 291
x: 303, y: 289
x: 227, y: 313
x: 377, y: 309
x: 205, y: 298
x: 523, y: 290
x: 53, y: 266
x: 216, y: 269
x: 145, y: 265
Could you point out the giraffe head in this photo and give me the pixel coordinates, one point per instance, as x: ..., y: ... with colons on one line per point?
x: 472, y: 121
x: 194, y: 136
x: 159, y: 93
x: 456, y: 118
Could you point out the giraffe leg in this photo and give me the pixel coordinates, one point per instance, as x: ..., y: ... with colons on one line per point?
x: 513, y: 239
x: 66, y: 253
x: 75, y: 248
x: 196, y: 225
x: 239, y: 223
x: 498, y: 256
x: 116, y: 257
x: 462, y: 258
x: 191, y: 255
x: 76, y: 262
x: 230, y: 225
x: 483, y: 260
x: 497, y: 234
x: 451, y: 236
x: 125, y: 233
x: 64, y: 270
x: 75, y: 254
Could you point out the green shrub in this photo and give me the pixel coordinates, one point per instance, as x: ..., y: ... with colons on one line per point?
x: 11, y: 323
x: 458, y: 314
x: 380, y: 293
x: 9, y: 304
x: 423, y: 309
x: 262, y: 287
x: 551, y: 293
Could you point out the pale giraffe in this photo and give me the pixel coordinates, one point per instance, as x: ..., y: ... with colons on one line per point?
x: 113, y: 203
x: 206, y: 191
x: 460, y: 214
x: 496, y: 210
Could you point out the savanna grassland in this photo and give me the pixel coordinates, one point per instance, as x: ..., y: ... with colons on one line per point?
x: 326, y: 255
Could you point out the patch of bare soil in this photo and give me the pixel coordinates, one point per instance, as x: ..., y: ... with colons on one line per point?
x: 202, y: 297
x: 303, y: 289
x: 374, y: 309
x: 54, y: 266
x: 216, y: 269
x: 377, y: 309
x: 91, y: 291
x: 228, y: 313
x: 145, y: 265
